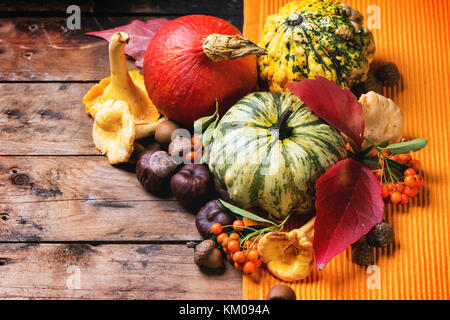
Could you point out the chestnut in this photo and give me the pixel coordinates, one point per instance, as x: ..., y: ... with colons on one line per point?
x: 154, y: 169
x: 281, y: 292
x: 221, y: 191
x: 192, y: 186
x: 211, y: 213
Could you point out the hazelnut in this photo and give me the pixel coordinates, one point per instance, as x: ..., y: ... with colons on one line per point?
x: 281, y: 292
x: 207, y: 255
x: 163, y: 132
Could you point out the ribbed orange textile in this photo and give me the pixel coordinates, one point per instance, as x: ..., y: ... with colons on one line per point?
x: 415, y: 34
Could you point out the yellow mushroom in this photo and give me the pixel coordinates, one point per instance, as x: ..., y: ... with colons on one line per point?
x: 114, y: 130
x: 124, y: 85
x: 289, y: 255
x: 383, y: 119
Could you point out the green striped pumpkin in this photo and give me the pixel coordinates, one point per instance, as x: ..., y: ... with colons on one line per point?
x: 269, y: 149
x: 310, y: 38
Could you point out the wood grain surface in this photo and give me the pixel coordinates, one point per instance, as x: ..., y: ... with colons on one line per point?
x: 148, y: 271
x: 63, y: 208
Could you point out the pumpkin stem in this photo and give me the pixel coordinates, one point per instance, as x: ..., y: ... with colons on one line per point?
x: 218, y: 47
x: 280, y: 130
x: 295, y: 19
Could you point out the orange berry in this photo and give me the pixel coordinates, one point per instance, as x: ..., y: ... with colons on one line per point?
x: 394, y: 157
x: 253, y: 255
x: 410, y: 172
x: 379, y: 173
x: 249, y: 245
x: 396, y: 197
x: 196, y: 142
x: 385, y: 191
x: 404, y: 157
x: 381, y: 162
x: 410, y: 181
x: 415, y: 164
x: 190, y: 156
x: 239, y: 257
x: 238, y: 225
x: 249, y: 267
x: 216, y: 228
x: 233, y: 246
x: 225, y: 243
x: 221, y: 237
x: 399, y: 187
x: 411, y: 191
x: 238, y: 266
x: 405, y: 199
x: 234, y: 236
x: 258, y: 263
x: 420, y: 182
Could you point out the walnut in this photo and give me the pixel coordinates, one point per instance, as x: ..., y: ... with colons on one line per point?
x: 388, y: 74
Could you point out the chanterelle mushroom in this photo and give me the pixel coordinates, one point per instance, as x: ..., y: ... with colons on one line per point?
x: 383, y: 120
x: 114, y: 130
x: 289, y: 255
x: 124, y: 85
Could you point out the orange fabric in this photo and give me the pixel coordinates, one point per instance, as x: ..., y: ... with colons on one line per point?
x: 415, y: 35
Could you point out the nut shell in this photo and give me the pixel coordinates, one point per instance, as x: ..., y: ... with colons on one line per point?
x: 380, y: 236
x: 211, y: 213
x: 202, y: 251
x: 154, y: 170
x: 163, y: 132
x: 362, y: 254
x: 281, y: 292
x: 192, y: 186
x: 388, y: 74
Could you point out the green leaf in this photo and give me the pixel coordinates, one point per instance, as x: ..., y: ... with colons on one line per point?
x: 369, y: 161
x: 363, y: 152
x: 225, y: 206
x: 206, y: 126
x: 257, y: 227
x: 405, y: 147
x: 202, y: 124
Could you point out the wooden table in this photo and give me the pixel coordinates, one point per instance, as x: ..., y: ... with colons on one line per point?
x: 71, y: 225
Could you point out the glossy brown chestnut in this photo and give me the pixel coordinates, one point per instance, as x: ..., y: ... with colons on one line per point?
x: 154, y: 169
x: 211, y: 213
x: 192, y: 186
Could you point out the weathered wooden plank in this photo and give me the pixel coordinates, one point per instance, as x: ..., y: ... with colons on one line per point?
x: 46, y: 119
x: 230, y: 7
x: 92, y: 220
x: 32, y: 179
x: 50, y: 271
x: 43, y: 49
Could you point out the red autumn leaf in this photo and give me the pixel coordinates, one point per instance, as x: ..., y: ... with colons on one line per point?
x: 348, y: 205
x: 339, y: 107
x: 140, y: 35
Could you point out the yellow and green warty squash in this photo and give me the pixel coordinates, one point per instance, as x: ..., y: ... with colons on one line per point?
x: 269, y: 149
x: 310, y: 38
